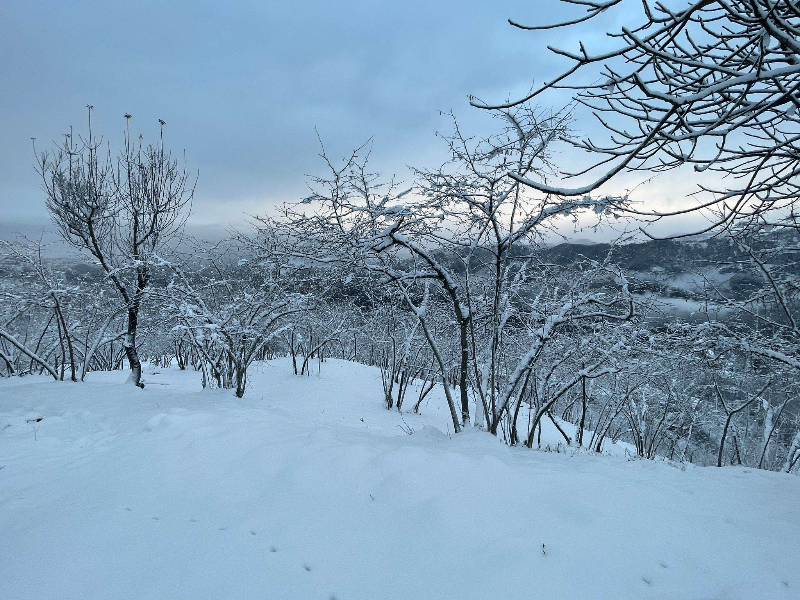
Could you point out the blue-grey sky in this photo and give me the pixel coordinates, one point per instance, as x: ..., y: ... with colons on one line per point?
x: 242, y: 84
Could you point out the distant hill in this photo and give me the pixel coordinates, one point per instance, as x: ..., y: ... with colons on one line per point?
x: 670, y: 256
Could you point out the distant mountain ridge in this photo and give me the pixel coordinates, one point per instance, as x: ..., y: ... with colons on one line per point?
x: 670, y: 256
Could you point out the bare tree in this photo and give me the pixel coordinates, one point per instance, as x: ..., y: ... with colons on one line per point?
x: 711, y: 87
x: 494, y: 225
x: 353, y: 220
x: 715, y: 85
x: 231, y: 308
x: 121, y: 213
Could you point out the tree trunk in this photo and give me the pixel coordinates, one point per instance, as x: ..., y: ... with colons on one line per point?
x: 560, y: 430
x: 241, y: 379
x: 514, y: 434
x: 464, y: 373
x: 722, y: 441
x: 67, y: 338
x: 30, y: 354
x: 583, y: 411
x: 130, y: 349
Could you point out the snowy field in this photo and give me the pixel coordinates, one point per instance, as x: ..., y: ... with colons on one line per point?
x: 307, y: 488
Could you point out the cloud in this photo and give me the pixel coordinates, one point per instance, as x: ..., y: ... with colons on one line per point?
x: 242, y: 85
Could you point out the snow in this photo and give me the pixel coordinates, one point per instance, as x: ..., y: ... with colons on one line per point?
x: 308, y: 488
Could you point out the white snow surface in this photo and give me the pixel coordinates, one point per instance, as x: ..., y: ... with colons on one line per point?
x: 308, y: 488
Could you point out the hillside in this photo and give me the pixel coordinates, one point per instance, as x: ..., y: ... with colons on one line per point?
x: 307, y: 488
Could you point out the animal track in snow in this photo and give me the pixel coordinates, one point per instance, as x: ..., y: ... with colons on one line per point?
x: 252, y: 532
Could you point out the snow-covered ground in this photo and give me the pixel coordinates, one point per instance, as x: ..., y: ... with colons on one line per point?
x: 307, y: 488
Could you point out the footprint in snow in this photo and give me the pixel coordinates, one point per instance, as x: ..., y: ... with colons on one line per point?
x: 273, y: 549
x: 307, y: 568
x: 155, y: 518
x: 193, y: 520
x: 253, y: 532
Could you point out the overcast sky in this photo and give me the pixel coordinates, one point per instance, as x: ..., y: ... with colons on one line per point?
x: 243, y: 84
